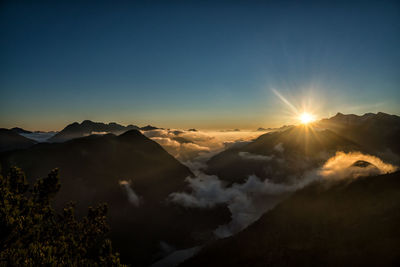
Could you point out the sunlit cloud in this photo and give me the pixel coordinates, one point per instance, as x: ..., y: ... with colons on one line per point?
x: 354, y: 165
x: 188, y: 145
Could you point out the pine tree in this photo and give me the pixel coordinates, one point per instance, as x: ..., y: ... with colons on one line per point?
x: 32, y: 233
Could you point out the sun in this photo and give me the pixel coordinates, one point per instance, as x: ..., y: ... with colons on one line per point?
x: 306, y: 118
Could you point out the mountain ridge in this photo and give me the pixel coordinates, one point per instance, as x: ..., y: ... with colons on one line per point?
x: 109, y: 168
x: 87, y: 127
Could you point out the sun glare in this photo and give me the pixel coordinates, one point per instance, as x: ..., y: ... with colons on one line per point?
x: 306, y: 118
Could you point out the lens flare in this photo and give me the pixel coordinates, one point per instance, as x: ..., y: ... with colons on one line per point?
x: 306, y: 118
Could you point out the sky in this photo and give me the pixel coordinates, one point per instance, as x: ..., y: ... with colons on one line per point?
x: 195, y: 64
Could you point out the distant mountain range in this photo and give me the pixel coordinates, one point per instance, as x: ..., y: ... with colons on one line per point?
x: 135, y: 176
x: 87, y: 127
x: 346, y: 224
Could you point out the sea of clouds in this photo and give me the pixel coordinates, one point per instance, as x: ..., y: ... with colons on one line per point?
x: 188, y: 145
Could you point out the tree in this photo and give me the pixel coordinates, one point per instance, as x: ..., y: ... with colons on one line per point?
x: 32, y: 233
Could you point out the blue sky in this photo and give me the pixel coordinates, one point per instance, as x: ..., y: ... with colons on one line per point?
x: 203, y: 64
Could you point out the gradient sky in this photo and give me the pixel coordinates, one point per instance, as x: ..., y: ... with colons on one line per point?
x: 203, y: 64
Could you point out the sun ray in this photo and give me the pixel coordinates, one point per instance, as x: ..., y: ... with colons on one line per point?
x: 284, y: 100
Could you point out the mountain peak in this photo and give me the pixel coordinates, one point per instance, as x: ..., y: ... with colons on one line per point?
x: 20, y: 130
x: 148, y: 128
x: 130, y: 133
x: 88, y: 127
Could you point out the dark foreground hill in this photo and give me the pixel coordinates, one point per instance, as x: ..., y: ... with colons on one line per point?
x: 87, y: 127
x: 346, y: 224
x: 279, y: 155
x: 134, y: 175
x: 10, y: 140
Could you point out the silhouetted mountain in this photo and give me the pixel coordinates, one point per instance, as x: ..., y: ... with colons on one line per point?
x: 10, y: 140
x: 20, y: 130
x: 282, y: 128
x: 135, y: 176
x: 345, y: 224
x: 377, y: 132
x: 148, y: 128
x: 283, y: 153
x: 76, y: 130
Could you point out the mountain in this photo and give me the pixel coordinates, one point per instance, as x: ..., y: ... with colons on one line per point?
x: 20, y: 130
x: 148, y: 128
x: 87, y: 127
x: 135, y: 176
x: 279, y: 155
x: 377, y: 132
x: 10, y: 140
x: 346, y: 224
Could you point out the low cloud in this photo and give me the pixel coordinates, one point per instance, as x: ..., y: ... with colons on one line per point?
x: 187, y: 145
x: 132, y: 196
x: 354, y: 165
x: 99, y: 133
x: 39, y: 136
x: 279, y: 147
x: 249, y: 200
x: 246, y: 202
x: 250, y: 156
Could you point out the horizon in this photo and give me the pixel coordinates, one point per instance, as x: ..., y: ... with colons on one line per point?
x: 233, y: 129
x: 206, y: 65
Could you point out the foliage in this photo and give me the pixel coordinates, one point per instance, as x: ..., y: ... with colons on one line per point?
x: 32, y: 233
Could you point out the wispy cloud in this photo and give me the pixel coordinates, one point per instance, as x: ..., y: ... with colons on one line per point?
x: 132, y: 196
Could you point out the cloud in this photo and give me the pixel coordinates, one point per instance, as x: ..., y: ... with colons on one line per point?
x: 279, y: 147
x: 250, y: 156
x: 99, y: 133
x: 132, y: 196
x: 186, y: 145
x: 246, y: 202
x: 354, y: 165
x: 182, y: 151
x: 249, y: 200
x: 39, y: 136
